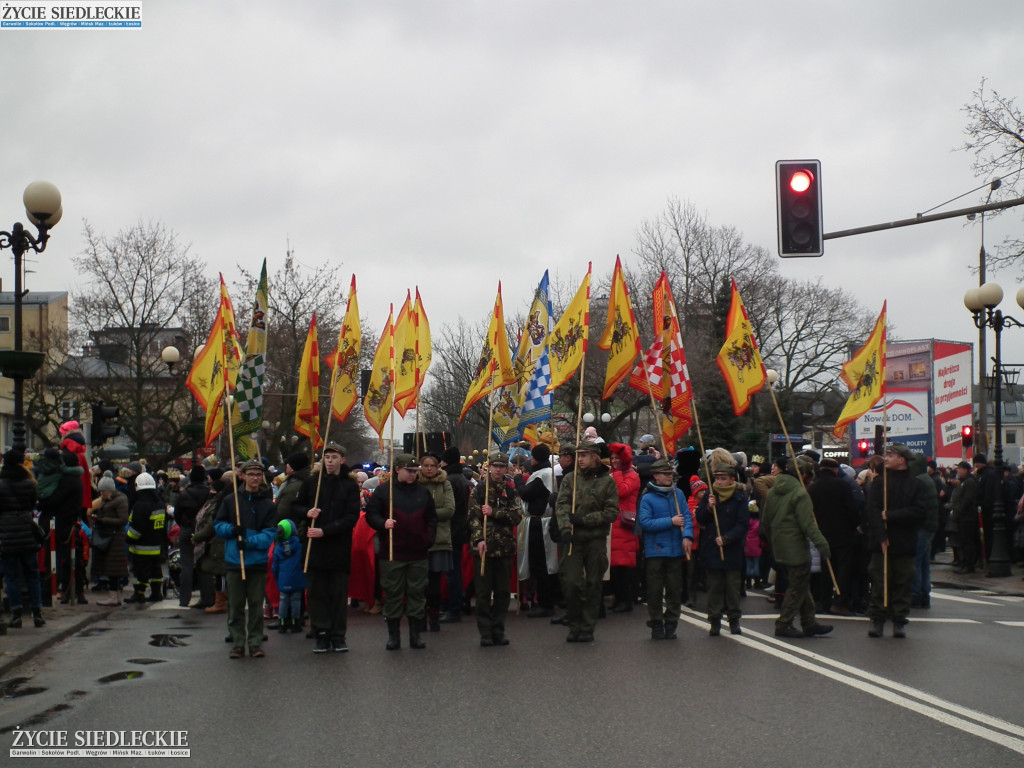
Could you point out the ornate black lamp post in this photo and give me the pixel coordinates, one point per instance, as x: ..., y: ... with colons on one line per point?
x: 983, y: 302
x: 42, y: 205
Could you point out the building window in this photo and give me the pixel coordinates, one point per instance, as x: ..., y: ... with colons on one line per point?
x: 1011, y: 437
x: 5, y: 324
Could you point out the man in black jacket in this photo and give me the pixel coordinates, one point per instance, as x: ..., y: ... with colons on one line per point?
x: 451, y: 462
x: 836, y: 512
x: 402, y: 512
x: 896, y: 508
x: 187, y: 506
x: 330, y: 501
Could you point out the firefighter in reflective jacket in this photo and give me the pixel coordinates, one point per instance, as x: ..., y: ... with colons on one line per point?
x: 147, y: 535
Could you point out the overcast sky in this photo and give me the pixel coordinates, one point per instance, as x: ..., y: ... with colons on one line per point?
x: 452, y: 144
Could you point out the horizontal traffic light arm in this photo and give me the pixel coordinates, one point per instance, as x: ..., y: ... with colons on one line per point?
x: 924, y: 219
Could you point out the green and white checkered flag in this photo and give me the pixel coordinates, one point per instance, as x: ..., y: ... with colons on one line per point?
x: 247, y: 415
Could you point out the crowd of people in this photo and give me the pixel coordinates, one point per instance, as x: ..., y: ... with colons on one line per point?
x: 591, y: 529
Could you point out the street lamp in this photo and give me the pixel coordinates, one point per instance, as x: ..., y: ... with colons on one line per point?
x: 171, y: 355
x: 43, y: 208
x: 982, y: 277
x: 983, y: 302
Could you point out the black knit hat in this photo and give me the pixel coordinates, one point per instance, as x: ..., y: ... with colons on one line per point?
x: 298, y: 461
x: 451, y: 456
x: 541, y: 454
x: 197, y: 474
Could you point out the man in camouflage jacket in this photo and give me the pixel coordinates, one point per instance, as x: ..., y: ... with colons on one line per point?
x: 501, y: 512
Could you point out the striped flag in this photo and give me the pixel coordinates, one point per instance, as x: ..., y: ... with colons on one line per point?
x: 247, y: 414
x: 524, y: 401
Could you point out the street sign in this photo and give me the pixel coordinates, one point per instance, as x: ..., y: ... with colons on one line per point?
x: 778, y: 437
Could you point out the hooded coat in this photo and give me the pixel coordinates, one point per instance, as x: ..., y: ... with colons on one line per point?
x: 787, y: 523
x: 444, y: 504
x: 17, y: 500
x: 625, y: 543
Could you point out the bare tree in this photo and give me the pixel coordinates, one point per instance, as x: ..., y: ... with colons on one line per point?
x: 995, y: 134
x: 295, y: 293
x: 142, y: 290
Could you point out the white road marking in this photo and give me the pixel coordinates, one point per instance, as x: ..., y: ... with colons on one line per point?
x: 959, y: 599
x: 828, y: 618
x: 946, y: 712
x: 1011, y: 623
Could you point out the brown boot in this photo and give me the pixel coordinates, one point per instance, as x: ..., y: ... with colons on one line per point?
x: 220, y: 603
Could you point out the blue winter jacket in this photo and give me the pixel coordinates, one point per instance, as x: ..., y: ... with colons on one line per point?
x: 256, y: 511
x: 286, y: 565
x: 657, y: 508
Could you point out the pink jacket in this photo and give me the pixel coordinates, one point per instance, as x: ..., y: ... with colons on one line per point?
x: 753, y: 547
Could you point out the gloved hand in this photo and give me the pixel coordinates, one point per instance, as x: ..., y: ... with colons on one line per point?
x: 241, y: 544
x: 237, y: 532
x: 576, y: 519
x: 565, y: 538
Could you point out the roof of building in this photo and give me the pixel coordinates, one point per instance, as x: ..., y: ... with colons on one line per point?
x: 33, y: 297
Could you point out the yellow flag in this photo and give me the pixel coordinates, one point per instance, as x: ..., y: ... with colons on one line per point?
x: 494, y: 369
x: 345, y: 360
x: 424, y: 350
x: 567, y: 343
x: 307, y: 406
x: 865, y: 375
x: 621, y: 336
x: 405, y: 356
x: 380, y: 394
x: 739, y: 359
x: 215, y: 366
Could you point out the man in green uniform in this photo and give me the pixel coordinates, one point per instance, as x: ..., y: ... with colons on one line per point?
x: 587, y: 505
x: 497, y: 549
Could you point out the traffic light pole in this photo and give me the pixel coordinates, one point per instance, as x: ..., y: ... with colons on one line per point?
x: 919, y: 219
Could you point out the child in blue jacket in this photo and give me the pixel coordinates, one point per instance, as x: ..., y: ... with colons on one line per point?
x: 286, y: 566
x: 667, y: 524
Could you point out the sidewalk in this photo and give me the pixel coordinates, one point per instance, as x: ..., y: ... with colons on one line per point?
x: 943, y: 576
x: 62, y: 621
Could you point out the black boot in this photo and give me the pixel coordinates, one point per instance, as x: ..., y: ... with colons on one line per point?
x: 670, y: 630
x: 434, y: 621
x: 716, y: 627
x: 15, y: 622
x: 450, y: 617
x: 394, y: 634
x: 415, y: 627
x: 283, y: 626
x: 37, y: 617
x: 156, y: 591
x: 139, y: 596
x: 657, y: 630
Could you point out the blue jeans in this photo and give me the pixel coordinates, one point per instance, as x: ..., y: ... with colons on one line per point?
x: 15, y: 567
x: 921, y: 589
x: 291, y: 605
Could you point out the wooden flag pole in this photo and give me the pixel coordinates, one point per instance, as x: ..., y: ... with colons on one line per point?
x: 231, y: 464
x: 707, y: 471
x: 799, y: 474
x: 487, y: 469
x: 576, y: 469
x: 664, y: 452
x: 320, y: 474
x: 885, y: 509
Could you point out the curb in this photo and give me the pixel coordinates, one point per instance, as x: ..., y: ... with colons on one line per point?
x: 52, y: 640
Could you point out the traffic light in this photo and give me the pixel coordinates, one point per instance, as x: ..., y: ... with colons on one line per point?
x: 798, y: 195
x: 967, y: 435
x: 102, y: 430
x: 862, y: 446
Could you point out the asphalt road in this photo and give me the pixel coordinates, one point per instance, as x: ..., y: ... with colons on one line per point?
x: 950, y: 694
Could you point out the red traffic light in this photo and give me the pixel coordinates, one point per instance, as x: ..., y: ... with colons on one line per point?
x: 862, y: 446
x: 967, y: 435
x: 801, y: 181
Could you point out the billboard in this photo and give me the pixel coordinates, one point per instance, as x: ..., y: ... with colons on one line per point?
x: 928, y: 397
